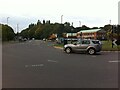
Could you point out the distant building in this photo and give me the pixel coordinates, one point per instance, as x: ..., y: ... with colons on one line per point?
x: 70, y: 35
x: 92, y: 34
x: 53, y: 37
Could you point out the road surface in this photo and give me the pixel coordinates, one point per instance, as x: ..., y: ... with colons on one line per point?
x: 37, y: 64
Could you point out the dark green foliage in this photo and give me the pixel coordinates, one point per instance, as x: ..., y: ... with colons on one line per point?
x: 113, y: 31
x: 45, y: 29
x: 24, y: 33
x: 7, y: 33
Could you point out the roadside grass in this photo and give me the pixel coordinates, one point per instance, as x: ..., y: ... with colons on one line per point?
x: 59, y: 45
x: 106, y: 46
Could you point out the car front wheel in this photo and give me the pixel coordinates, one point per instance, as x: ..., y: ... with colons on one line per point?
x: 91, y: 51
x: 68, y: 50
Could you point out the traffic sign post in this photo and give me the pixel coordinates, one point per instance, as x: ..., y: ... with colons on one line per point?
x: 116, y: 42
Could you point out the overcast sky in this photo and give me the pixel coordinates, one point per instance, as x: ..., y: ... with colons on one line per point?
x: 88, y: 12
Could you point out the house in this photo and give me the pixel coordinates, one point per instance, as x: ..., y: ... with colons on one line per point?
x: 70, y: 35
x: 92, y: 34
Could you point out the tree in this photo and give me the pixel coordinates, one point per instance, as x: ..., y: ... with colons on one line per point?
x: 24, y: 33
x: 118, y: 32
x: 48, y: 22
x: 7, y: 33
x: 58, y: 29
x: 31, y: 25
x: 67, y: 27
x: 95, y: 28
x: 38, y: 22
x: 45, y: 30
x: 108, y: 29
x: 44, y: 22
x: 31, y: 32
x: 0, y: 32
x: 84, y: 27
x: 38, y: 32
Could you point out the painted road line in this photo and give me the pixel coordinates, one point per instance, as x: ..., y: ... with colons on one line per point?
x: 52, y: 61
x: 114, y: 61
x: 26, y: 66
x: 35, y: 65
x: 94, y: 56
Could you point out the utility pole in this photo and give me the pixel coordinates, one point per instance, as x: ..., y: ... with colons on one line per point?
x: 61, y: 19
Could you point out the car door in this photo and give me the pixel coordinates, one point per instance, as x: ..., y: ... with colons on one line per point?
x: 77, y: 46
x: 84, y: 44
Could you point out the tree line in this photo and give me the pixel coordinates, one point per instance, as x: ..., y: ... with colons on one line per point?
x: 45, y: 29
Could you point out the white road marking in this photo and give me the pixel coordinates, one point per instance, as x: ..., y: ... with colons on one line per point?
x: 26, y: 65
x: 52, y: 61
x: 35, y: 65
x: 93, y: 56
x: 114, y: 61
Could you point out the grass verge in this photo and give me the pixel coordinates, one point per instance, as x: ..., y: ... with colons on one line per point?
x: 106, y: 46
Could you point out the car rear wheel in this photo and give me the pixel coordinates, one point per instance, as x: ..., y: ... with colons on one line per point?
x: 68, y: 50
x: 91, y: 51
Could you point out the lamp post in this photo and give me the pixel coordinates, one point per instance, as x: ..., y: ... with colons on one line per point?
x: 7, y: 20
x: 110, y: 22
x: 17, y: 28
x: 72, y: 32
x: 80, y: 23
x: 61, y: 19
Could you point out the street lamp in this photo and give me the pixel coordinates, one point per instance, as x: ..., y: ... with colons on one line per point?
x: 61, y: 18
x: 72, y: 32
x: 110, y: 22
x: 7, y: 20
x: 17, y: 28
x: 80, y: 23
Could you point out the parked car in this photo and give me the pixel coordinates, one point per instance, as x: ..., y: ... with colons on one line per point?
x: 85, y: 45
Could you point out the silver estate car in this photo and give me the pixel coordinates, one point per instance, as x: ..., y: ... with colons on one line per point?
x: 85, y: 45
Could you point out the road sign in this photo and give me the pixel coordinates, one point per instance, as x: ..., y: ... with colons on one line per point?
x: 116, y: 42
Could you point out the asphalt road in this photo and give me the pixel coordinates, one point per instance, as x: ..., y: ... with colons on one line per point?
x: 37, y: 64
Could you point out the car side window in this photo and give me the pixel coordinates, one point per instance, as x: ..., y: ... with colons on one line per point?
x: 85, y: 42
x: 79, y: 42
